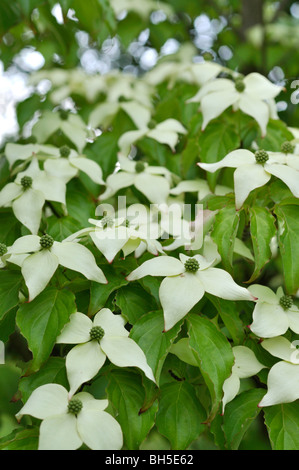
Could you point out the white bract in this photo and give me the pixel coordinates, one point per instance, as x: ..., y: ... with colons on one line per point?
x: 103, y: 114
x: 274, y: 312
x: 113, y: 234
x: 255, y: 170
x: 250, y: 95
x: 246, y: 365
x: 197, y: 73
x: 283, y: 378
x: 152, y: 181
x: 103, y: 337
x: 68, y: 422
x: 187, y: 279
x: 28, y: 193
x: 166, y: 132
x: 43, y: 255
x: 70, y: 124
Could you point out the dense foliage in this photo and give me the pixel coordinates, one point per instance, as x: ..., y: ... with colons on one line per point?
x: 149, y: 225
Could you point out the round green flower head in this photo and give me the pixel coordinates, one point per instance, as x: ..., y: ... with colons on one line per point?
x: 127, y: 223
x: 208, y: 56
x: 240, y: 85
x: 64, y: 151
x: 26, y: 182
x: 46, y: 241
x: 287, y: 147
x: 191, y: 265
x: 107, y: 221
x: 286, y: 302
x: 152, y: 124
x: 64, y: 114
x: 139, y: 167
x: 96, y: 333
x: 3, y: 249
x: 75, y: 406
x: 261, y: 156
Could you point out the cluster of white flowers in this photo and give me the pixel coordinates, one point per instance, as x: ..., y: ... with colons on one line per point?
x: 42, y: 172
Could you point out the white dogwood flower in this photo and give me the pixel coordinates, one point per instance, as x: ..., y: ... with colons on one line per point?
x: 152, y: 181
x: 68, y: 422
x: 245, y: 365
x: 43, y: 255
x: 187, y: 279
x: 283, y: 378
x: 103, y: 114
x: 248, y: 94
x: 274, y: 312
x: 103, y: 337
x: 114, y: 234
x: 166, y: 132
x: 254, y: 171
x: 70, y: 124
x: 28, y: 193
x: 190, y: 72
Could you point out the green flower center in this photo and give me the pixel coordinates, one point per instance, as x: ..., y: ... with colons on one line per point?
x: 64, y: 114
x: 191, y: 265
x: 208, y: 56
x: 26, y: 182
x: 139, y: 167
x: 46, y: 241
x: 75, y: 406
x: 261, y: 156
x: 107, y: 221
x: 152, y: 124
x: 287, y: 147
x: 3, y: 249
x: 64, y: 151
x: 127, y: 223
x: 240, y: 85
x: 286, y: 302
x: 96, y: 333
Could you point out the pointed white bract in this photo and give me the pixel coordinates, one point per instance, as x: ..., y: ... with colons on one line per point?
x: 187, y: 279
x: 28, y: 193
x: 85, y: 360
x: 40, y: 263
x: 271, y: 317
x: 69, y: 421
x: 283, y: 378
x: 246, y: 365
x: 166, y: 132
x: 251, y: 97
x: 250, y: 174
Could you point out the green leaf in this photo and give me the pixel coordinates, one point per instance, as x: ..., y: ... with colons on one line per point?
x: 282, y: 422
x: 224, y: 234
x: 262, y: 229
x: 24, y: 439
x: 53, y: 371
x: 215, y: 142
x: 239, y: 415
x: 230, y: 315
x: 127, y: 395
x: 288, y: 239
x: 148, y: 334
x: 9, y: 227
x: 42, y: 320
x: 180, y: 416
x: 10, y: 283
x: 215, y: 357
x: 60, y: 228
x: 134, y: 302
x: 99, y: 293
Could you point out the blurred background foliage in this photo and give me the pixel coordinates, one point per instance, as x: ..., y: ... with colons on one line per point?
x: 132, y: 36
